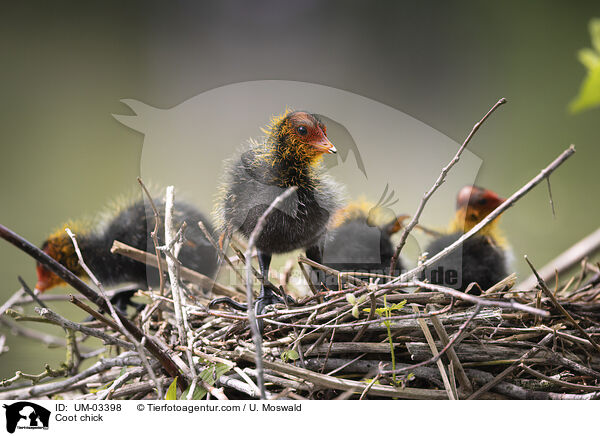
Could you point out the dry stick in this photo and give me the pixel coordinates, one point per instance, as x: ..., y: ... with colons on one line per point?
x: 175, y: 243
x: 139, y: 347
x: 186, y: 273
x: 570, y: 257
x: 173, y: 247
x: 102, y: 365
x: 363, y: 329
x: 70, y: 278
x: 154, y: 235
x: 459, y: 370
x: 440, y: 180
x: 352, y: 324
x: 31, y: 293
x: 219, y: 249
x: 453, y: 341
x: 342, y: 384
x: 12, y: 300
x: 489, y: 385
x: 551, y: 296
x: 256, y: 335
x: 331, y: 271
x: 94, y: 313
x: 452, y: 395
x: 55, y: 318
x: 559, y: 382
x: 480, y: 301
x: 492, y: 216
x: 44, y: 338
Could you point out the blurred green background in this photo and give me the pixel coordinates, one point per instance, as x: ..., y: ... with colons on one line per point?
x: 66, y: 65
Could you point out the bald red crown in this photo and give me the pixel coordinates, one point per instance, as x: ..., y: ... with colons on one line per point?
x: 478, y: 198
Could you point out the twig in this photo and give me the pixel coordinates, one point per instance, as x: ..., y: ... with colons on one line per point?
x: 588, y: 246
x: 342, y: 384
x: 173, y: 265
x: 440, y: 180
x: 65, y: 323
x: 94, y: 313
x: 186, y: 273
x: 12, y: 300
x: 102, y: 365
x: 452, y: 395
x: 139, y: 347
x: 154, y: 235
x: 551, y: 296
x: 30, y: 292
x: 219, y: 249
x: 454, y: 340
x: 492, y: 216
x: 511, y: 368
x: 36, y: 378
x: 105, y: 394
x: 256, y: 335
x: 331, y: 271
x: 443, y: 335
x: 70, y: 278
x: 550, y: 195
x: 559, y: 382
x: 33, y: 334
x: 480, y: 301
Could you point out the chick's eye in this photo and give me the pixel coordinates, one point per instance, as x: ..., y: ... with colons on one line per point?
x: 482, y: 201
x: 302, y: 130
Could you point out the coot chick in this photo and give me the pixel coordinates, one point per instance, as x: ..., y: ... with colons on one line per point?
x: 290, y: 155
x: 360, y: 241
x: 483, y: 258
x: 130, y: 224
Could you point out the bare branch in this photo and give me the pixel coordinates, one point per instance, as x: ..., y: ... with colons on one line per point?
x: 440, y: 180
x: 249, y: 295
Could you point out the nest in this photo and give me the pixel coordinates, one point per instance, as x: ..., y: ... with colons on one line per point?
x: 404, y: 339
x: 367, y: 341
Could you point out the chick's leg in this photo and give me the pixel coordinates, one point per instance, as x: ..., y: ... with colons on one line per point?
x: 266, y: 296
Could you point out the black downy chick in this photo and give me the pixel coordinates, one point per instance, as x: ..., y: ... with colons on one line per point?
x: 360, y: 241
x: 131, y: 225
x: 483, y: 258
x: 290, y: 155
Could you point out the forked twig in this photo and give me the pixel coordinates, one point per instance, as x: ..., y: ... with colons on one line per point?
x: 492, y: 216
x: 256, y: 335
x: 440, y: 180
x: 113, y: 312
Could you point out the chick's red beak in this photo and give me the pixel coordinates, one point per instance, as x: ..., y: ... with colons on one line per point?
x: 46, y: 279
x: 323, y: 145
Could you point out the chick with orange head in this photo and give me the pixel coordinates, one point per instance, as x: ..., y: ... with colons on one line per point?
x: 130, y: 223
x: 290, y: 155
x: 482, y: 259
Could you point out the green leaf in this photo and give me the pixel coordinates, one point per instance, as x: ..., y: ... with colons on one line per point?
x: 172, y: 391
x: 350, y: 298
x: 288, y: 355
x: 198, y: 394
x: 208, y: 375
x: 355, y: 312
x: 589, y: 92
x: 398, y: 306
x: 362, y: 299
x: 595, y: 33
